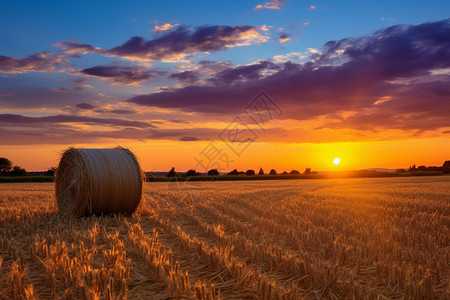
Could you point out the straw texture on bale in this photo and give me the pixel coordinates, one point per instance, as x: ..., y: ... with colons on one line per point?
x: 98, y: 181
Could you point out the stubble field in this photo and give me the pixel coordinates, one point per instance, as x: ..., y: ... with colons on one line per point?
x: 381, y: 238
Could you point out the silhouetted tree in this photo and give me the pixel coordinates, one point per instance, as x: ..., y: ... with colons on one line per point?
x: 446, y: 167
x: 273, y: 172
x: 412, y: 169
x: 284, y: 173
x: 213, y: 172
x: 18, y: 171
x: 50, y: 172
x: 250, y: 172
x: 421, y: 168
x: 400, y: 170
x: 191, y: 172
x: 307, y: 171
x: 172, y: 172
x: 294, y: 172
x: 5, y: 165
x: 261, y: 171
x: 234, y: 172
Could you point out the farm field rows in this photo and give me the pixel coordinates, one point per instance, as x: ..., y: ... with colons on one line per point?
x: 372, y: 238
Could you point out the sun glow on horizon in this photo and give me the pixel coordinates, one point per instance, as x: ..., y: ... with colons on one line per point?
x: 336, y: 161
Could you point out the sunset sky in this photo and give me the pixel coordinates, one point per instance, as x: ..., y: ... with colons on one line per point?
x: 227, y: 84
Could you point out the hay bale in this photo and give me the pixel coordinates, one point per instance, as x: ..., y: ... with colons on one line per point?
x: 98, y: 181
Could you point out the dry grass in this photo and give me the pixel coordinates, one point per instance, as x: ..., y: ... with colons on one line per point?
x: 312, y: 239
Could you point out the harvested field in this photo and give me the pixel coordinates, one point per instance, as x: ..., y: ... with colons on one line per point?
x: 379, y: 238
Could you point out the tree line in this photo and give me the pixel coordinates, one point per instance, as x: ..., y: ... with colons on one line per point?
x: 7, y: 168
x: 445, y: 168
x: 235, y: 172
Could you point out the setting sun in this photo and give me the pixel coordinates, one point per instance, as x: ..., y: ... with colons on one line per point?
x: 336, y: 161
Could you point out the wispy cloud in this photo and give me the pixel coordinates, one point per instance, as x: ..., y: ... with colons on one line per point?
x: 38, y: 62
x: 164, y: 27
x: 312, y: 6
x: 14, y: 119
x: 273, y: 4
x: 121, y: 74
x: 80, y: 84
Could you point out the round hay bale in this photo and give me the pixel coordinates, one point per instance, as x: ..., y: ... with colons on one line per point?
x: 98, y: 181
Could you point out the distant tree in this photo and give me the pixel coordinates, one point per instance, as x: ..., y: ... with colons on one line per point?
x: 294, y: 172
x: 172, y: 172
x: 261, y: 171
x: 241, y: 173
x: 250, y: 172
x: 400, y: 171
x: 18, y: 171
x: 234, y: 172
x: 412, y: 169
x: 191, y: 173
x: 273, y: 172
x: 434, y: 168
x: 284, y: 173
x: 50, y: 172
x: 421, y: 168
x: 307, y: 171
x: 5, y: 165
x: 446, y: 167
x: 213, y: 172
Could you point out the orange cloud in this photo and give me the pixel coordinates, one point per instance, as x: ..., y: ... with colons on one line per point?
x: 274, y: 4
x: 311, y: 7
x: 164, y: 27
x: 284, y: 38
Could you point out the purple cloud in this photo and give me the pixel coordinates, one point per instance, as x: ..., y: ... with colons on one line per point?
x: 284, y: 37
x: 350, y: 75
x: 79, y: 85
x: 19, y: 120
x: 176, y: 44
x: 38, y: 62
x: 121, y: 74
x: 189, y: 139
x: 186, y: 76
x: 85, y: 106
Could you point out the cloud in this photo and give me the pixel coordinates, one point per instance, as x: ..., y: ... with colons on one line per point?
x: 85, y: 106
x: 224, y: 73
x: 273, y: 4
x: 70, y: 48
x: 80, y: 84
x: 164, y: 27
x: 284, y: 37
x: 19, y: 120
x: 348, y: 78
x: 312, y: 6
x: 189, y: 139
x: 121, y: 74
x: 100, y: 110
x: 245, y: 73
x: 38, y: 62
x: 178, y: 44
x: 186, y: 76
